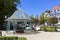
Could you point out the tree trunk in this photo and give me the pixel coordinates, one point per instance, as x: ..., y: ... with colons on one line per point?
x: 55, y: 28
x: 44, y: 28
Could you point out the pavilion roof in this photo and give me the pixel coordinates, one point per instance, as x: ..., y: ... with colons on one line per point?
x: 19, y: 15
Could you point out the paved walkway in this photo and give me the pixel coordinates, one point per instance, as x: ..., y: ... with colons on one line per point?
x: 40, y: 35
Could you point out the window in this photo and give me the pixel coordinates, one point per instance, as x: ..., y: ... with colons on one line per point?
x: 51, y: 11
x: 54, y: 10
x: 51, y: 15
x: 58, y: 10
x: 57, y: 14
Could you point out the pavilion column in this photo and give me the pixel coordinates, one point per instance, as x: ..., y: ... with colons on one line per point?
x: 8, y: 26
x: 15, y: 25
x: 24, y: 25
x: 58, y: 19
x: 30, y: 25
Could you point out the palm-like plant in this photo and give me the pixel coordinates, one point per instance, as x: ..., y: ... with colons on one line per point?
x: 44, y: 18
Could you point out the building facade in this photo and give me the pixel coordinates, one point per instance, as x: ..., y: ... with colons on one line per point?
x: 55, y: 11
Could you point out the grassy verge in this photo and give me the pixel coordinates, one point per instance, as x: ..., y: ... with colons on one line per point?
x: 12, y: 38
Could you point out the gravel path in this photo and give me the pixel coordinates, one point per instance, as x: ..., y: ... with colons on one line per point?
x: 38, y: 36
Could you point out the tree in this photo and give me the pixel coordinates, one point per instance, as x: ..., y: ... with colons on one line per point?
x: 53, y: 20
x: 6, y: 9
x: 43, y: 18
x: 34, y: 20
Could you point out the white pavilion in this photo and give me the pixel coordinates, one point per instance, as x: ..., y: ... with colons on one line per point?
x: 18, y: 16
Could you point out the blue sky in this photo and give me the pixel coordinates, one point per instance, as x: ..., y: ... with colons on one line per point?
x: 36, y: 7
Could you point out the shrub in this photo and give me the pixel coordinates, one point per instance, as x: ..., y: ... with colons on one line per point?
x: 22, y: 38
x: 8, y: 38
x: 42, y: 28
x: 48, y: 29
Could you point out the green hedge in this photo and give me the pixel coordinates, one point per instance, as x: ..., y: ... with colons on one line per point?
x: 42, y: 28
x: 48, y: 29
x: 22, y: 38
x: 12, y: 38
x: 8, y: 38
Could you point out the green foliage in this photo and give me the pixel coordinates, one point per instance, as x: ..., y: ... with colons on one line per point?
x: 34, y: 20
x: 48, y: 29
x: 22, y: 38
x: 6, y: 9
x: 12, y: 38
x: 8, y: 38
x: 43, y: 18
x: 53, y: 20
x: 42, y: 28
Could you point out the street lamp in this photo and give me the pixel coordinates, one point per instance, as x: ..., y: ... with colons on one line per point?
x: 5, y: 17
